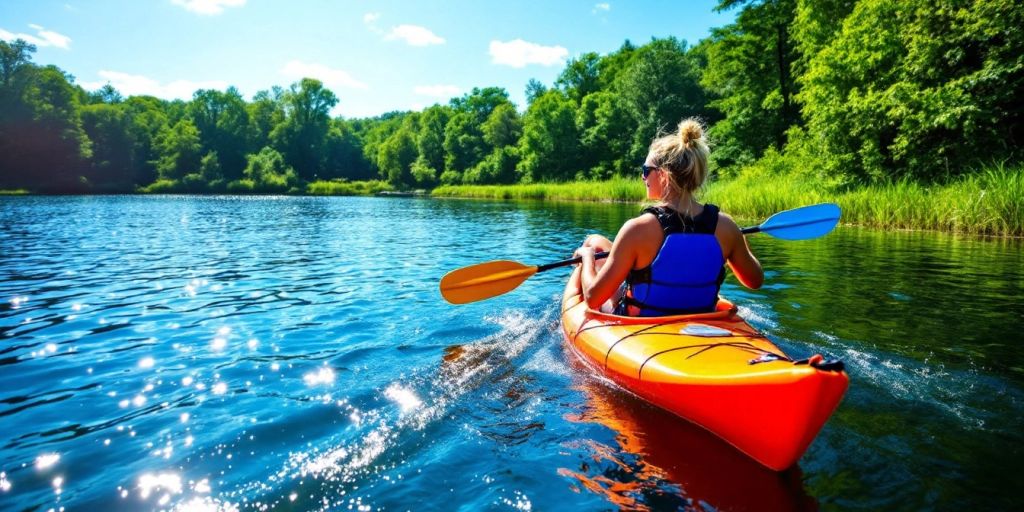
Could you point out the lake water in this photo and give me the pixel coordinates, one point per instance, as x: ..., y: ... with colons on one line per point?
x: 264, y: 353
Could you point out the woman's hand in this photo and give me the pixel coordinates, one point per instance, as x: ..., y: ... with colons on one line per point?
x: 585, y: 252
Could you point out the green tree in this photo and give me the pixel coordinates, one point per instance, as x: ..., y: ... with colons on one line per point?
x: 223, y: 123
x: 503, y: 126
x: 268, y: 172
x: 303, y: 133
x: 917, y: 89
x: 265, y: 112
x: 580, y: 76
x: 148, y: 118
x: 398, y: 153
x: 605, y: 132
x: 110, y: 130
x: 659, y: 89
x: 749, y: 70
x: 345, y: 153
x: 549, y: 147
x: 179, y: 150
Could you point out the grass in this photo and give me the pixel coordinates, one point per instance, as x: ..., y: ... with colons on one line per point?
x: 13, y: 192
x: 989, y: 202
x: 618, y: 189
x: 347, y: 188
x: 247, y: 186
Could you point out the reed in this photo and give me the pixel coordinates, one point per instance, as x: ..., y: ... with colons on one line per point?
x: 616, y: 189
x: 989, y: 202
x: 347, y: 188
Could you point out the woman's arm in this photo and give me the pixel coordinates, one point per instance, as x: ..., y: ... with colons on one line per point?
x: 740, y: 258
x: 600, y: 284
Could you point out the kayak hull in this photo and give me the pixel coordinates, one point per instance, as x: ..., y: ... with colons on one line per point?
x: 714, y: 370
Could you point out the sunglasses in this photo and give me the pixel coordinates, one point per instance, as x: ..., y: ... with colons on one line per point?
x: 645, y: 170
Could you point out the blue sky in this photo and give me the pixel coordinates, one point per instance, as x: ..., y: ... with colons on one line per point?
x: 375, y: 55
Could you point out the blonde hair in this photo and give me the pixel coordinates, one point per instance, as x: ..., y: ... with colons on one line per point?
x: 684, y: 154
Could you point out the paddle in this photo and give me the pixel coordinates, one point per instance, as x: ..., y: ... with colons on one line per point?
x: 486, y: 280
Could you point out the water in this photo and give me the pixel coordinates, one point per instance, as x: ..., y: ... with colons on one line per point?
x: 294, y: 353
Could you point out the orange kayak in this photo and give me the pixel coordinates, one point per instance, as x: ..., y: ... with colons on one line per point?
x: 715, y: 370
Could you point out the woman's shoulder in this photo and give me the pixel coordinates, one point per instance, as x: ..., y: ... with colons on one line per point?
x: 727, y: 227
x: 642, y: 225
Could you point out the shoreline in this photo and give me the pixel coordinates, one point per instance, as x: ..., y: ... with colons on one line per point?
x: 989, y: 204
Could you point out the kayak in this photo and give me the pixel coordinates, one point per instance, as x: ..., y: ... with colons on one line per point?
x: 714, y: 370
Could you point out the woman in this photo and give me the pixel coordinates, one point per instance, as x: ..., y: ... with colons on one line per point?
x: 671, y: 259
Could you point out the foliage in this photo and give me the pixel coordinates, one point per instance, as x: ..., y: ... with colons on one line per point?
x: 267, y: 171
x: 749, y: 70
x: 347, y: 188
x: 917, y: 89
x: 805, y: 99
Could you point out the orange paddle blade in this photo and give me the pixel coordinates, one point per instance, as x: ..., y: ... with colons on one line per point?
x: 483, y: 281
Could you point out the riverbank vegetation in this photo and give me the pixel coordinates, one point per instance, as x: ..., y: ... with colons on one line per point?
x: 897, y: 109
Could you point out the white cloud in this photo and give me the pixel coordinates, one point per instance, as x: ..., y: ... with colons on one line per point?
x: 134, y: 85
x: 602, y: 7
x: 414, y: 35
x: 437, y: 91
x: 42, y: 38
x: 332, y: 78
x: 518, y: 53
x: 208, y: 7
x: 371, y: 17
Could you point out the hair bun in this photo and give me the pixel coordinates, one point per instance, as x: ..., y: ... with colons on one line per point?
x: 689, y: 131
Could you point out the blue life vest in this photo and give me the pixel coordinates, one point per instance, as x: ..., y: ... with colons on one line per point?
x: 688, y: 271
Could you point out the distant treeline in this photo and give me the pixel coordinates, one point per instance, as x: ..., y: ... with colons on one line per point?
x: 838, y: 91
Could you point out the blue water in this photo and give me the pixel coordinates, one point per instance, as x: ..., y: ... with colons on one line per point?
x: 265, y: 353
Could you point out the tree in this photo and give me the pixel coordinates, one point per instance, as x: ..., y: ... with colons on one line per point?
x: 430, y: 141
x: 179, y: 150
x: 749, y: 69
x: 397, y: 155
x: 265, y: 112
x: 113, y: 162
x: 344, y: 153
x: 911, y: 89
x: 605, y: 132
x: 659, y: 89
x: 503, y: 126
x: 223, y: 123
x: 549, y: 147
x: 302, y: 134
x: 580, y: 76
x: 268, y: 172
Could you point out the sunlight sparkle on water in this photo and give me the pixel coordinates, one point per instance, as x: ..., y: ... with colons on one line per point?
x: 323, y: 376
x: 219, y: 343
x: 148, y: 483
x: 219, y: 388
x: 146, y: 362
x: 5, y: 484
x: 47, y: 460
x: 187, y: 381
x: 404, y: 397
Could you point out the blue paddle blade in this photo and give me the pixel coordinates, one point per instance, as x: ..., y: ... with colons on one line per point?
x: 803, y: 223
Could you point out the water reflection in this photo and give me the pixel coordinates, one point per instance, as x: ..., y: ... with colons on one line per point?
x: 661, y: 461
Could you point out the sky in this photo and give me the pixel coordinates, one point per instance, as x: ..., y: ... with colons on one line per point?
x: 375, y: 55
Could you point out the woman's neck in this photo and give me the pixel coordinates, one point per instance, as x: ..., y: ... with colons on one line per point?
x: 684, y: 204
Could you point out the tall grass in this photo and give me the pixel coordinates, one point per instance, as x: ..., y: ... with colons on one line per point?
x: 989, y: 202
x: 347, y: 188
x: 617, y: 189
